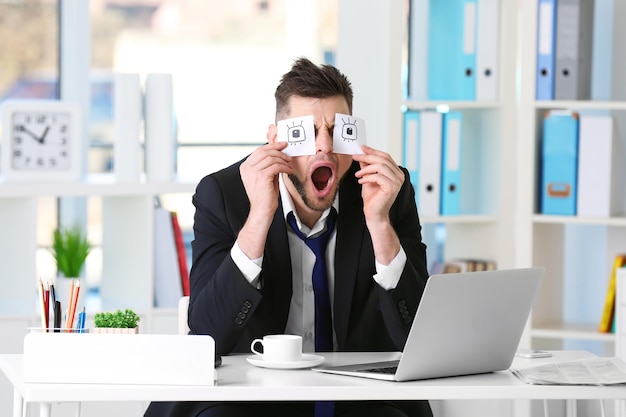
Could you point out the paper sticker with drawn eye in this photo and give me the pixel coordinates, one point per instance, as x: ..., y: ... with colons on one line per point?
x: 299, y: 132
x: 349, y: 134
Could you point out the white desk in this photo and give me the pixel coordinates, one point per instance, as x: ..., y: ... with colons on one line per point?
x: 237, y: 379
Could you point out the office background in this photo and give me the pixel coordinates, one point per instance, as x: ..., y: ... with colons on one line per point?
x: 226, y: 59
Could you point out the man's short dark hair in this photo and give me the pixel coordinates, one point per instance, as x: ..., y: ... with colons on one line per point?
x: 305, y: 79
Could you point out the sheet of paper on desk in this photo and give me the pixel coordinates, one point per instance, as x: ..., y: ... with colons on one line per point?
x: 596, y: 371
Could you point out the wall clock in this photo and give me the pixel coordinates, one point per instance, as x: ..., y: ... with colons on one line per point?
x: 41, y: 140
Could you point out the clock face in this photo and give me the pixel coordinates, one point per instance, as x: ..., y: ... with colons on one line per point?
x: 40, y: 141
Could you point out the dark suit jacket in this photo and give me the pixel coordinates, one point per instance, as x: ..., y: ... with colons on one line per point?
x: 224, y: 305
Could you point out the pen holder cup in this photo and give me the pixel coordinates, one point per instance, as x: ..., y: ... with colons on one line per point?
x: 56, y: 330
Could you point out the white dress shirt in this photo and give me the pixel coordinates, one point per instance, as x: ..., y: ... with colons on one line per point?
x: 301, y: 320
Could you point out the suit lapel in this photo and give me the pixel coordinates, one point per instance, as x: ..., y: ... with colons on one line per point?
x: 278, y: 261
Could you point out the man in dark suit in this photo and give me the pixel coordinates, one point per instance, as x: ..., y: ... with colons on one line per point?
x: 251, y: 273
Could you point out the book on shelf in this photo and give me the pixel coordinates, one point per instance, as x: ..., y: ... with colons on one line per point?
x: 171, y: 277
x: 181, y: 253
x: 462, y: 265
x: 608, y: 312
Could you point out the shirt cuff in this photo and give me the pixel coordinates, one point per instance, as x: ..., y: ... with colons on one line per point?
x: 388, y: 276
x: 250, y: 268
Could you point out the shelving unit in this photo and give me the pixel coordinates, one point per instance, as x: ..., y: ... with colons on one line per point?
x: 127, y: 259
x: 484, y: 231
x: 487, y: 167
x: 127, y: 246
x: 577, y: 252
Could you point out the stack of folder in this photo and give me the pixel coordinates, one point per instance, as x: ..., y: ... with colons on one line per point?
x: 564, y: 49
x: 453, y: 49
x: 578, y: 165
x: 432, y: 155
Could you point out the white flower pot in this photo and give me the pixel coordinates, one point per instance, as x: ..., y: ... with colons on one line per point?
x: 115, y: 330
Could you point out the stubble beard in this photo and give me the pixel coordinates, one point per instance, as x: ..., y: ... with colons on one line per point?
x: 311, y: 203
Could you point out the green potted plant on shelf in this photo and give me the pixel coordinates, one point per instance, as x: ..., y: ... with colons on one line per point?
x: 116, y: 322
x: 70, y: 248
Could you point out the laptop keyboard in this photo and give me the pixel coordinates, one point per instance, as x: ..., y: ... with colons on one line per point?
x: 383, y: 370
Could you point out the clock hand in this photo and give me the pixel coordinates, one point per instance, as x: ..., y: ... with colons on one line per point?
x: 43, y: 136
x: 23, y: 129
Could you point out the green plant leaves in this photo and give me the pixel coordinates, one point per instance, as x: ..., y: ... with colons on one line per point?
x: 126, y: 319
x: 70, y: 249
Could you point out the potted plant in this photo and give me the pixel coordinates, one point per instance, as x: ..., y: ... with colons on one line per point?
x: 70, y: 248
x: 116, y: 322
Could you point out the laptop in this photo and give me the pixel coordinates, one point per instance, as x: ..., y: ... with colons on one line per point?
x: 466, y: 323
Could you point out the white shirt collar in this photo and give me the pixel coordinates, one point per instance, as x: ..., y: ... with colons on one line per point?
x: 289, y: 207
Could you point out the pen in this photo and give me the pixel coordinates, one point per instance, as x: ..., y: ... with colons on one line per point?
x: 68, y: 308
x: 71, y: 308
x: 57, y: 316
x: 80, y: 323
x: 46, y: 303
x: 74, y: 302
x: 43, y: 306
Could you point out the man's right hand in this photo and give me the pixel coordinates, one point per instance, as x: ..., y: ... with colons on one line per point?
x: 259, y: 173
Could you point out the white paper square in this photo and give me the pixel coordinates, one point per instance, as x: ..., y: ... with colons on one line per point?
x: 300, y: 133
x: 349, y: 134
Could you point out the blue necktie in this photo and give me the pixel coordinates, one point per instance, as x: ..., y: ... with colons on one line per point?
x: 323, y: 317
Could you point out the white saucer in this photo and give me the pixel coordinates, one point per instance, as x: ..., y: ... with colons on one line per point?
x: 308, y: 361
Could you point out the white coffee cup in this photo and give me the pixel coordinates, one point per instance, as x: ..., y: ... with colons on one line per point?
x: 279, y: 348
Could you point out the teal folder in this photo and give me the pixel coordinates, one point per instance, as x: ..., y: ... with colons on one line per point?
x: 452, y: 50
x: 559, y: 168
x: 451, y: 163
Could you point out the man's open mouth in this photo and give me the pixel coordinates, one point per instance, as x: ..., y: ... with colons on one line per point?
x: 321, y: 177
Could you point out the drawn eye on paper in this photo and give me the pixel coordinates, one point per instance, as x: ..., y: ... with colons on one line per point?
x: 296, y: 134
x: 299, y: 133
x: 348, y: 130
x: 348, y: 134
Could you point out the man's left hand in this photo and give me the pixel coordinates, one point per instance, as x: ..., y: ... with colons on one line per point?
x: 381, y: 180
